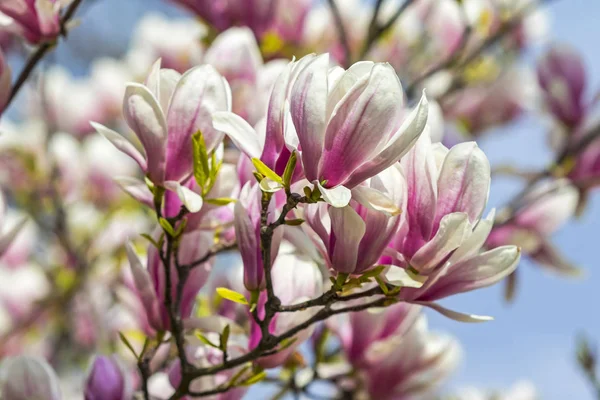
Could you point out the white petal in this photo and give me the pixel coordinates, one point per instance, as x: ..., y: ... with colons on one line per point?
x: 399, y: 277
x: 190, y: 199
x: 338, y: 196
x: 455, y: 315
x: 121, y: 143
x: 375, y: 200
x: 239, y: 131
x: 270, y: 186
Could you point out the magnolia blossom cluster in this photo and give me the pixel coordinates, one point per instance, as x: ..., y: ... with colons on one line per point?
x: 191, y: 217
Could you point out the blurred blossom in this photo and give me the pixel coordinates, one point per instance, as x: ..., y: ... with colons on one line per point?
x: 107, y: 380
x: 150, y: 283
x: 37, y: 21
x: 562, y: 77
x: 394, y: 353
x: 5, y: 81
x: 442, y: 231
x: 294, y: 280
x: 522, y: 390
x: 177, y: 42
x: 27, y: 378
x: 542, y: 211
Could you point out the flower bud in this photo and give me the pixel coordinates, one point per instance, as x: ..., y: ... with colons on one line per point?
x: 106, y: 381
x: 37, y: 21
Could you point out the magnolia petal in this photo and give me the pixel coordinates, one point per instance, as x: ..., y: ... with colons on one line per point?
x: 349, y: 229
x: 308, y: 108
x: 152, y: 81
x: 190, y: 199
x: 248, y: 246
x: 239, y: 131
x: 136, y: 189
x: 375, y: 200
x: 122, y: 144
x: 472, y: 245
x: 145, y: 117
x: 338, y: 196
x: 548, y: 256
x: 213, y: 323
x: 400, y: 277
x: 402, y: 141
x: 450, y: 235
x: 455, y: 315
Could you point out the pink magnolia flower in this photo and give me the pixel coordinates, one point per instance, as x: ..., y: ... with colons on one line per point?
x: 165, y: 113
x: 442, y: 233
x: 353, y: 238
x: 542, y: 212
x: 295, y: 280
x: 107, y: 380
x: 36, y: 20
x: 150, y: 283
x: 28, y: 377
x: 5, y: 82
x: 247, y: 224
x: 394, y: 353
x: 561, y: 75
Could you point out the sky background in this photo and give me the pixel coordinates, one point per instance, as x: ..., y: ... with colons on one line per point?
x: 534, y: 338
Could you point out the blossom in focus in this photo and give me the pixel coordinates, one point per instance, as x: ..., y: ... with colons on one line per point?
x: 150, y: 283
x: 247, y: 224
x: 295, y: 280
x: 442, y: 233
x: 540, y: 213
x: 353, y: 238
x: 561, y: 75
x: 164, y: 113
x: 36, y: 20
x: 394, y: 353
x: 107, y: 381
x: 350, y: 124
x: 28, y: 377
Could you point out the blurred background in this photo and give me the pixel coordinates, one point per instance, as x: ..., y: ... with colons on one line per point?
x: 533, y: 338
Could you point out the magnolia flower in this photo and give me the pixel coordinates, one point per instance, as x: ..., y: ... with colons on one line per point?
x: 107, y: 381
x: 561, y: 75
x: 5, y: 82
x: 165, y: 113
x: 352, y: 239
x: 247, y: 224
x: 295, y: 280
x: 347, y: 125
x: 394, y: 353
x: 37, y: 21
x: 150, y: 283
x: 27, y: 377
x: 442, y: 234
x: 544, y: 209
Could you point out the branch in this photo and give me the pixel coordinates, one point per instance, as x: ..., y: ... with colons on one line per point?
x: 41, y: 51
x: 376, y: 30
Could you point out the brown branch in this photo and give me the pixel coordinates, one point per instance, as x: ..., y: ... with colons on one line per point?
x: 337, y: 17
x: 376, y: 30
x: 41, y: 51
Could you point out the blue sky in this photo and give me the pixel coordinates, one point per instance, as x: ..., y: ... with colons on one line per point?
x: 533, y: 338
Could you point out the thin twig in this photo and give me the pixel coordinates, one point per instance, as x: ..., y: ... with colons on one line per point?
x: 341, y: 32
x: 376, y: 31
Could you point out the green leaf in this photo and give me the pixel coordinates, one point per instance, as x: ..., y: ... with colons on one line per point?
x: 307, y: 192
x: 232, y: 295
x: 224, y: 338
x: 220, y: 201
x: 234, y: 379
x: 294, y: 222
x: 288, y: 173
x: 255, y: 378
x: 285, y: 343
x: 382, y: 285
x: 266, y: 171
x: 166, y: 226
x: 205, y: 340
x: 374, y: 272
x: 128, y: 345
x: 150, y: 239
x: 201, y: 169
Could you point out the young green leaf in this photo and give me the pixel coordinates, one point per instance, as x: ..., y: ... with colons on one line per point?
x: 224, y: 338
x: 372, y: 273
x: 254, y: 379
x: 150, y: 239
x: 128, y: 345
x: 232, y: 295
x: 166, y: 226
x: 205, y: 340
x: 266, y: 171
x: 201, y: 169
x: 294, y: 222
x: 220, y: 201
x: 288, y: 173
